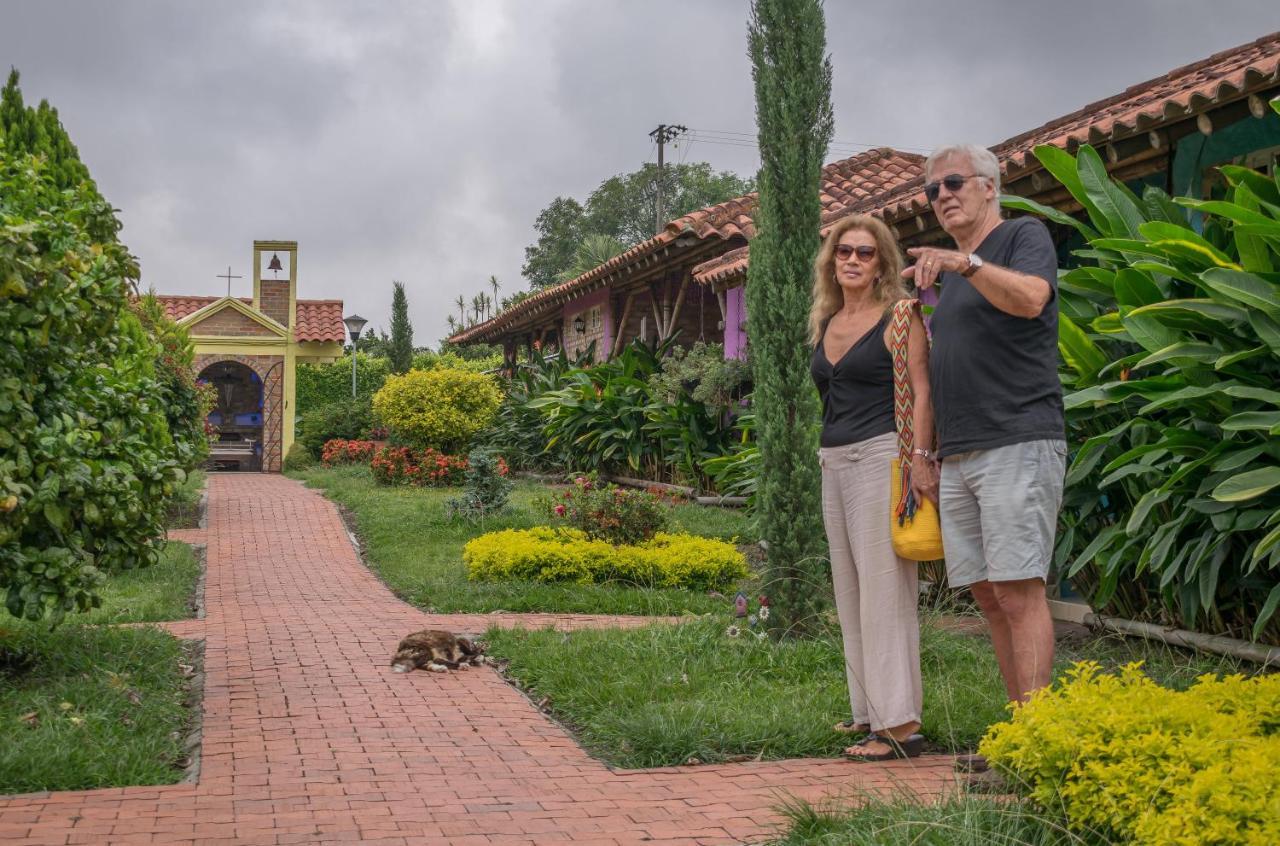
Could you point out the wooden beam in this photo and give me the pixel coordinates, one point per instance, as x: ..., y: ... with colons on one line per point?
x: 622, y: 324
x: 653, y: 302
x: 666, y: 310
x: 724, y: 308
x: 675, y: 312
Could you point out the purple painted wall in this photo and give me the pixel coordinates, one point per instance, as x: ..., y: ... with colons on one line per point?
x: 735, y: 323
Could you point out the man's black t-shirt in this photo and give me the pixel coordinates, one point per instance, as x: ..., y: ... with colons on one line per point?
x: 994, y: 376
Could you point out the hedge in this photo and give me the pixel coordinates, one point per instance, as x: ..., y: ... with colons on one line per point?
x: 544, y: 554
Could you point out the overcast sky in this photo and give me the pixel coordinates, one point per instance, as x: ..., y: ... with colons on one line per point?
x: 419, y: 140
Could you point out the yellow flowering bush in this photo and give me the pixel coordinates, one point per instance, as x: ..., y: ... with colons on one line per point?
x: 544, y: 554
x: 1121, y: 754
x: 438, y: 409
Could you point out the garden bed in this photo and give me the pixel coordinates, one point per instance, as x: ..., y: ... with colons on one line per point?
x: 417, y: 551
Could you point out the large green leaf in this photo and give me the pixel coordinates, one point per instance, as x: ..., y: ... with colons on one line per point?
x: 1058, y: 216
x: 1135, y: 288
x: 1268, y: 329
x: 1062, y: 165
x: 1079, y: 351
x: 1120, y: 212
x: 1268, y: 609
x: 1150, y: 333
x: 1250, y: 392
x: 1247, y: 420
x: 1148, y: 501
x: 1248, y: 485
x: 1185, y: 243
x: 1259, y: 184
x: 1243, y: 287
x: 1182, y: 395
x: 1188, y: 350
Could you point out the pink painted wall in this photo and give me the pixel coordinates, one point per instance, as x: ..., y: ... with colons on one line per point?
x: 735, y: 323
x: 571, y: 310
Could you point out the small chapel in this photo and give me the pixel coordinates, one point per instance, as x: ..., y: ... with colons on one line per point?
x: 249, y: 349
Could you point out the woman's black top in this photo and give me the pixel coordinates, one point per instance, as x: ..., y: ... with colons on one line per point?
x: 857, y: 391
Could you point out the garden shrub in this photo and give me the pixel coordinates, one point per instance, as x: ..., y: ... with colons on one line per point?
x: 439, y: 409
x: 449, y: 360
x: 325, y: 384
x: 608, y: 512
x: 1121, y: 754
x: 298, y: 458
x: 87, y: 460
x: 427, y: 467
x: 487, y: 487
x: 339, y: 451
x: 345, y: 420
x: 186, y: 401
x: 545, y: 554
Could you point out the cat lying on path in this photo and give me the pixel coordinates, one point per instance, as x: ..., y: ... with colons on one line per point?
x: 437, y: 651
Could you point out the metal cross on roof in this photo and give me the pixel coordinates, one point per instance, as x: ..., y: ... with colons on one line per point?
x: 228, y: 277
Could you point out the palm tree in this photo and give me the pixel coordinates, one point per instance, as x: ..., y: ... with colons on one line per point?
x: 477, y: 306
x: 453, y: 324
x: 593, y: 251
x: 462, y: 308
x: 493, y: 283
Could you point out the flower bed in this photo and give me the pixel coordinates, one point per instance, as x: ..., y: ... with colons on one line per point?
x: 544, y: 554
x: 1120, y: 754
x: 609, y: 513
x: 339, y: 451
x: 426, y: 467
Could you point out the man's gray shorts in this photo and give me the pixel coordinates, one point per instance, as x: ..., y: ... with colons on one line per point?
x: 999, y: 510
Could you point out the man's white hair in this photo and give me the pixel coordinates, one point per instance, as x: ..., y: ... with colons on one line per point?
x: 984, y: 161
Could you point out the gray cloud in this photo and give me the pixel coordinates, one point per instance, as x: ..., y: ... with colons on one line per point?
x: 418, y: 140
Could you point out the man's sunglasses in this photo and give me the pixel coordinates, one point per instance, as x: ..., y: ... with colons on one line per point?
x: 864, y: 252
x: 953, y: 181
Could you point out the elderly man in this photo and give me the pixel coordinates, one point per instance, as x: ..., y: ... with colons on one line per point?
x: 998, y: 406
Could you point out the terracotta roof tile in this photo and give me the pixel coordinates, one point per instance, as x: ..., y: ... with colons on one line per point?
x: 317, y: 320
x: 1177, y: 95
x: 846, y: 184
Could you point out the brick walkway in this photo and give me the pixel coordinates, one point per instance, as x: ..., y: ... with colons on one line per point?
x: 309, y: 737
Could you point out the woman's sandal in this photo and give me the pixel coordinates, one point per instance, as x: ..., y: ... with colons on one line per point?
x: 852, y: 727
x: 909, y: 747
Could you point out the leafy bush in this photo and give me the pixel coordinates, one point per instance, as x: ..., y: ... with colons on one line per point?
x: 86, y: 457
x: 405, y: 466
x: 552, y: 555
x: 1171, y: 345
x: 737, y: 473
x: 449, y: 360
x: 345, y: 420
x: 185, y: 401
x: 340, y: 451
x: 516, y: 429
x: 607, y: 512
x: 703, y: 373
x: 298, y: 458
x: 320, y: 385
x: 438, y: 409
x: 487, y: 487
x: 1122, y: 754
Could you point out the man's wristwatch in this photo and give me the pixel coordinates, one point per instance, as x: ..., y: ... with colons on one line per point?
x: 926, y: 453
x: 975, y: 264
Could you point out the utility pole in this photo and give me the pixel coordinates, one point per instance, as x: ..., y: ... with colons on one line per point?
x: 661, y: 136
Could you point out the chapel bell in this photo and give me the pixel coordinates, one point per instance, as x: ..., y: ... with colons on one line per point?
x: 274, y: 264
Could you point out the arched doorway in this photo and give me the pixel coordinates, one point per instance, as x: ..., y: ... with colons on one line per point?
x: 236, y: 416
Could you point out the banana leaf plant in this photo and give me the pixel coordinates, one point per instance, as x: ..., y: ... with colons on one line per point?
x: 1169, y: 336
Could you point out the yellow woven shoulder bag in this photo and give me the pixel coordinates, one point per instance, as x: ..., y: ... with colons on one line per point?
x: 917, y: 532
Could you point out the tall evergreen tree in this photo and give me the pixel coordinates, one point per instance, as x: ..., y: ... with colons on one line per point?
x: 400, y: 351
x: 40, y: 132
x: 787, y: 44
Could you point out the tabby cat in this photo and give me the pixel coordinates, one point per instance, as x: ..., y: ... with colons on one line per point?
x: 437, y: 651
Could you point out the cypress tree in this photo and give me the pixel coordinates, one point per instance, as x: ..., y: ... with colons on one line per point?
x: 400, y: 350
x: 787, y: 44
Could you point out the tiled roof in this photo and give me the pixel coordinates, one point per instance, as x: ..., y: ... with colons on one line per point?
x: 1176, y: 96
x: 845, y: 185
x: 317, y: 320
x: 1180, y: 94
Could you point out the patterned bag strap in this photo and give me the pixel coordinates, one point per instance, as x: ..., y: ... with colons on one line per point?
x: 903, y: 399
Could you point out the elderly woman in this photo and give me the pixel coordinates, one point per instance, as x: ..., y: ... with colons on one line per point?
x: 857, y: 279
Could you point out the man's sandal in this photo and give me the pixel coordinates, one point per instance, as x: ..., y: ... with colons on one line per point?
x: 909, y: 747
x: 852, y: 727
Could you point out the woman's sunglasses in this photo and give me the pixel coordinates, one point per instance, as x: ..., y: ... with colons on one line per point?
x: 864, y: 253
x: 953, y: 181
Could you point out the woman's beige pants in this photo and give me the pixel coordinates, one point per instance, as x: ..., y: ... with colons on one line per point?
x: 876, y: 591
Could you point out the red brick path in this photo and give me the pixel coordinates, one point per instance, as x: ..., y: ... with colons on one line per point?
x: 309, y: 737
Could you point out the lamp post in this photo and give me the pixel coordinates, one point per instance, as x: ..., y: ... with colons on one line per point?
x: 354, y: 324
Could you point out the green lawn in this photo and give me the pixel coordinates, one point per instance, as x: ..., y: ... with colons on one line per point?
x: 660, y: 695
x: 905, y: 821
x: 183, y: 509
x: 149, y: 594
x: 87, y: 705
x: 417, y: 551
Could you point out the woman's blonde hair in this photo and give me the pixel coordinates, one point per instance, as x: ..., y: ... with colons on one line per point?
x: 887, y: 289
